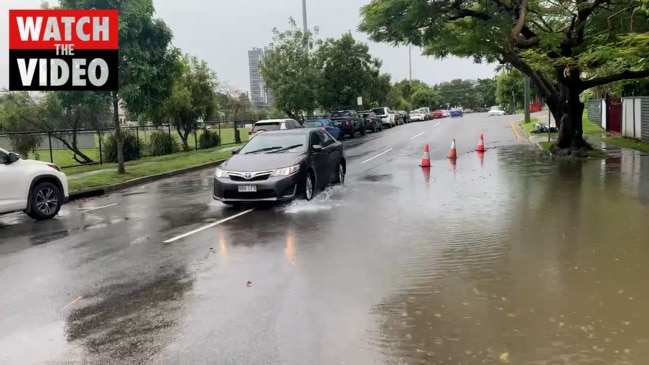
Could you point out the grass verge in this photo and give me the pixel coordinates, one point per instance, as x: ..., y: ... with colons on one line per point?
x: 588, y: 127
x: 64, y: 157
x: 627, y: 143
x: 153, y: 167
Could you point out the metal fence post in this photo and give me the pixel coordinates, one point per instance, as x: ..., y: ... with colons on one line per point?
x: 101, y: 155
x: 169, y: 129
x: 49, y: 139
x: 196, y: 136
x: 220, y: 139
x: 137, y: 136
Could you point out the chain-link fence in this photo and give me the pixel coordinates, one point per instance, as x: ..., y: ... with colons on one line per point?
x: 57, y: 146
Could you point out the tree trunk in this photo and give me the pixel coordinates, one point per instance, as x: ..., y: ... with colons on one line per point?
x: 571, y: 124
x: 184, y: 134
x: 237, y: 135
x: 118, y: 134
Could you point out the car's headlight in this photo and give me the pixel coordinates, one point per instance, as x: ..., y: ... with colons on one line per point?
x: 286, y: 171
x: 220, y: 173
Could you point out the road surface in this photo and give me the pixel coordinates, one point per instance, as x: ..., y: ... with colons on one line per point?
x: 477, y: 262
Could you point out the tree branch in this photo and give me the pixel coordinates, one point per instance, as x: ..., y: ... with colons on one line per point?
x: 624, y: 75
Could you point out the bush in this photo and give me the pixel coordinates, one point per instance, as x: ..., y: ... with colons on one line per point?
x: 209, y: 139
x: 24, y: 143
x: 131, y: 148
x: 162, y: 143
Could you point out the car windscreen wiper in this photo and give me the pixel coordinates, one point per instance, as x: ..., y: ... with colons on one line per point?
x: 287, y: 148
x: 265, y: 149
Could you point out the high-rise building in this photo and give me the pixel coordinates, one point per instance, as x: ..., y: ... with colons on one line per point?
x: 257, y: 89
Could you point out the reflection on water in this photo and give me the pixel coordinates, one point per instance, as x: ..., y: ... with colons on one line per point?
x: 132, y: 320
x: 562, y: 280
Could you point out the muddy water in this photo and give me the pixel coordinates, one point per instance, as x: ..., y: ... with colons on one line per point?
x: 547, y: 264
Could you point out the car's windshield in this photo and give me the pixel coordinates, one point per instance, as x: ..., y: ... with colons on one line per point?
x: 380, y: 111
x: 495, y: 108
x: 341, y: 114
x: 267, y: 142
x: 312, y: 124
x: 266, y: 127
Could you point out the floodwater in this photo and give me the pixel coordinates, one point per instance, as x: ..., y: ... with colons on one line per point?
x: 551, y: 270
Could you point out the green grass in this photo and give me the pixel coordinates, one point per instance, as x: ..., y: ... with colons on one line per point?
x: 627, y: 143
x: 156, y: 165
x: 65, y: 158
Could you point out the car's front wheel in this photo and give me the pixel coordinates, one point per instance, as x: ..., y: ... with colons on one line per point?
x: 309, y: 186
x: 45, y: 201
x: 340, y: 174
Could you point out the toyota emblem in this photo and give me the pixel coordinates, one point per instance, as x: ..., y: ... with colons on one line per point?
x: 247, y: 175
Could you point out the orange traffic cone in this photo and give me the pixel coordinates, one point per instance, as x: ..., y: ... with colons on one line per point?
x: 452, y: 154
x: 481, y: 144
x: 425, y: 161
x: 481, y: 157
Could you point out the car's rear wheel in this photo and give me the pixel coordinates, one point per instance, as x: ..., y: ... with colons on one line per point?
x: 45, y: 201
x: 309, y: 186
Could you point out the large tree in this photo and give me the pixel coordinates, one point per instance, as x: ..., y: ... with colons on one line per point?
x: 289, y: 72
x: 148, y: 63
x: 348, y: 71
x: 580, y: 43
x: 487, y: 90
x: 193, y: 97
x: 234, y: 105
x: 509, y: 89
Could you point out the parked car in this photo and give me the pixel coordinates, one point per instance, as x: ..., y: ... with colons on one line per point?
x: 403, y: 116
x: 349, y: 122
x: 495, y: 111
x: 273, y: 125
x: 446, y: 113
x: 372, y: 121
x: 428, y: 115
x: 417, y: 116
x: 386, y: 115
x: 35, y: 187
x: 438, y: 114
x: 280, y: 166
x: 456, y: 113
x: 324, y: 124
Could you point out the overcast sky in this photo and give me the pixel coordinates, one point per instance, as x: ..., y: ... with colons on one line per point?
x: 222, y: 31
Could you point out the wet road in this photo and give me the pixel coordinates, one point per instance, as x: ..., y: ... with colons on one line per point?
x: 512, y: 257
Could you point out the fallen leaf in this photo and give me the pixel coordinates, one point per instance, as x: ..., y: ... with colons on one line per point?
x: 504, y: 357
x: 249, y: 284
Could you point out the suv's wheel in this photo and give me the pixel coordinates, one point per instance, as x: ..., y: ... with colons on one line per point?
x: 309, y: 186
x: 340, y: 174
x: 45, y: 201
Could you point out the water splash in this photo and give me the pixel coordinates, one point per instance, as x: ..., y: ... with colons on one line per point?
x: 325, y: 200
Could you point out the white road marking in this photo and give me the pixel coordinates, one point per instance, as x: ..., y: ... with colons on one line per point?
x: 208, y: 226
x: 379, y: 155
x: 413, y: 137
x: 438, y: 123
x: 96, y: 208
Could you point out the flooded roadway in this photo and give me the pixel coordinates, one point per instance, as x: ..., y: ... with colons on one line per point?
x: 512, y: 257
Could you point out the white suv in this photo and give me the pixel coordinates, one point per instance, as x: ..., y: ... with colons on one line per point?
x: 35, y: 187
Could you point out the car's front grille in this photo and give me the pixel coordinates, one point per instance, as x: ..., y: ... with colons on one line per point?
x: 262, y: 194
x: 254, y: 178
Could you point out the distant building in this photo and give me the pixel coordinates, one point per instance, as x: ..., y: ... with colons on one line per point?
x: 257, y: 90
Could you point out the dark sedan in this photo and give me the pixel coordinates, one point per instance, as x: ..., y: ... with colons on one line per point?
x: 280, y: 166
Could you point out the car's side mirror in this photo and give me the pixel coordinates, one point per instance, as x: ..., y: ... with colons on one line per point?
x: 317, y: 147
x: 234, y: 152
x: 13, y: 157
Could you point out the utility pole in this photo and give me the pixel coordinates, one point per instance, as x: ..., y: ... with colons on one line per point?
x: 526, y: 97
x: 304, y: 15
x: 410, y: 63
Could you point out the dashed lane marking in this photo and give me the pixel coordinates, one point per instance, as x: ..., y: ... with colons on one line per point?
x: 208, y: 226
x: 379, y: 155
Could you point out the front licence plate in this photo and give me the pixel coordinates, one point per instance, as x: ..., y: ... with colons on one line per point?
x: 247, y: 188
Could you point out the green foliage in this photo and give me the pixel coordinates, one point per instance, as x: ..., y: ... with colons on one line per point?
x: 193, y: 97
x: 131, y: 147
x: 23, y: 144
x: 162, y: 143
x: 509, y: 88
x: 459, y: 93
x: 289, y: 72
x: 487, y: 88
x: 425, y: 96
x: 348, y: 71
x: 209, y: 139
